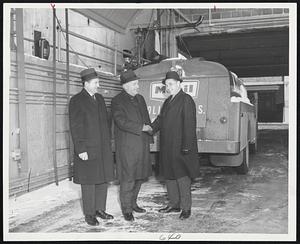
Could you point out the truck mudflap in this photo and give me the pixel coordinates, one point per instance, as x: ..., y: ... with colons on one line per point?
x: 214, y: 146
x: 239, y: 161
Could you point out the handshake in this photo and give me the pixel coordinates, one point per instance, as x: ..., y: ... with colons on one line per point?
x: 147, y: 128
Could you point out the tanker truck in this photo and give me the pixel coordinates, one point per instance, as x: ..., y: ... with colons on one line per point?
x: 226, y: 120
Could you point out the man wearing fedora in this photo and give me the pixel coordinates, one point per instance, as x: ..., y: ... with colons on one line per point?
x: 93, y: 159
x: 178, y: 159
x: 131, y: 120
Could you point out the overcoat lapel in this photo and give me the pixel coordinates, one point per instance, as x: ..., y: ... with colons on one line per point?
x: 171, y: 102
x: 89, y: 97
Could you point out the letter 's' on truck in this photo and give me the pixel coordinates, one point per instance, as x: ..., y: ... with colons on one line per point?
x: 226, y: 120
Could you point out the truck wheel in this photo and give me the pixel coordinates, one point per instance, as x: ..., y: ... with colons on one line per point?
x: 244, y: 167
x: 253, y: 146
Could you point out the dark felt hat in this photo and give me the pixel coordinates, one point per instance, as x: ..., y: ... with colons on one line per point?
x: 127, y: 76
x: 171, y: 75
x: 88, y: 74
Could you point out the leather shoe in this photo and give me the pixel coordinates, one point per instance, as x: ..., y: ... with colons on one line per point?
x: 103, y: 215
x: 138, y: 209
x: 185, y: 214
x: 169, y: 209
x: 128, y: 217
x: 91, y: 220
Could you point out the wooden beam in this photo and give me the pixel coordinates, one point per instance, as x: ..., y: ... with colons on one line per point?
x: 246, y: 53
x: 260, y: 70
x: 22, y: 90
x: 261, y: 60
x: 238, y: 42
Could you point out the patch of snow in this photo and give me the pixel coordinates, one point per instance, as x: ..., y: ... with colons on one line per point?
x: 27, y: 206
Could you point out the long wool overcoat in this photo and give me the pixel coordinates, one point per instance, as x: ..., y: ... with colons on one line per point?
x: 132, y: 145
x: 177, y: 126
x: 90, y: 133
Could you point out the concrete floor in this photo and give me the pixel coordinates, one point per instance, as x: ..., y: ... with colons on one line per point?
x: 223, y: 201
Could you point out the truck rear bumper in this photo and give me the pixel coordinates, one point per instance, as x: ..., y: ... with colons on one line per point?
x: 212, y: 146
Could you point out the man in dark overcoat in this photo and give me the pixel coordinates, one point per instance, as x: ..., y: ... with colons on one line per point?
x: 131, y: 120
x: 178, y: 159
x: 93, y: 159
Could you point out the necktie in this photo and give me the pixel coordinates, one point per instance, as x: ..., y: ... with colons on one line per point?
x: 94, y: 97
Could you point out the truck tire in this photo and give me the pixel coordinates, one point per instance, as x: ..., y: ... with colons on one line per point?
x: 244, y: 167
x: 253, y: 146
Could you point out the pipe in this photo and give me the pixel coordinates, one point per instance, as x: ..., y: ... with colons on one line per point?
x: 58, y: 44
x: 68, y: 85
x: 89, y: 40
x: 54, y: 97
x: 99, y: 44
x: 22, y: 89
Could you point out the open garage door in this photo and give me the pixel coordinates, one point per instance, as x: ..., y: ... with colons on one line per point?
x: 248, y: 53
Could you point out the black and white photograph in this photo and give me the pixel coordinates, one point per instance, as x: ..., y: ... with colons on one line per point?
x: 149, y: 121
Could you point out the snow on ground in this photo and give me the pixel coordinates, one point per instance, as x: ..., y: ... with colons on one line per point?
x: 222, y: 202
x: 26, y: 207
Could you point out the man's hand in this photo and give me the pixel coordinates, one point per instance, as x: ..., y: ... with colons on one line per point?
x: 83, y: 156
x: 147, y: 128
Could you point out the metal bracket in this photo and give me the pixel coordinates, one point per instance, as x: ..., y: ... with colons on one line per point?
x: 16, y: 154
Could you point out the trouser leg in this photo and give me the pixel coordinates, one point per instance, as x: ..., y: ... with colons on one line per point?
x: 88, y: 199
x: 184, y: 185
x: 173, y: 193
x: 136, y: 190
x: 126, y: 193
x: 100, y: 196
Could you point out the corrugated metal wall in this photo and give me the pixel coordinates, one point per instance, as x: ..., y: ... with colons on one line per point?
x: 39, y: 110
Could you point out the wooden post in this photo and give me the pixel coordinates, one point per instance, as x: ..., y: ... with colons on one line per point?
x: 68, y: 87
x: 256, y: 115
x: 54, y: 97
x: 22, y: 90
x: 286, y: 100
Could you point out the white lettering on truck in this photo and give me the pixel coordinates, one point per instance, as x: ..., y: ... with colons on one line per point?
x: 200, y: 109
x: 154, y: 110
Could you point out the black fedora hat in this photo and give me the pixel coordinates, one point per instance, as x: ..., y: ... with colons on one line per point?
x: 88, y: 74
x: 171, y: 75
x: 128, y: 76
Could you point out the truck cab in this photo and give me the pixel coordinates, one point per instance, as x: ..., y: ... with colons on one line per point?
x: 226, y: 120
